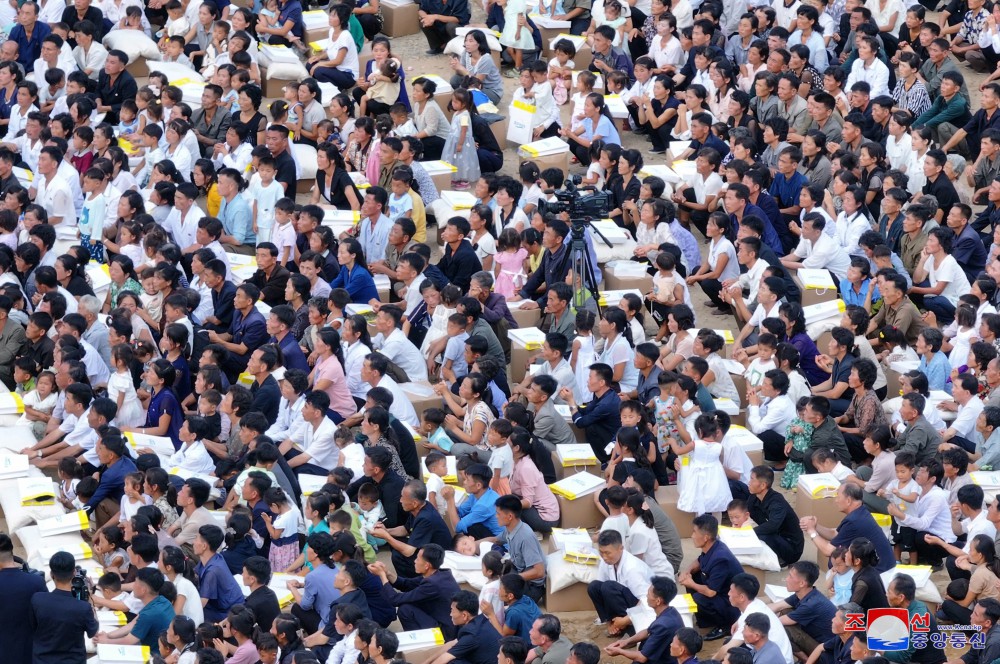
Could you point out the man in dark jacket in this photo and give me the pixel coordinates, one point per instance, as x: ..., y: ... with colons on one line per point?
x: 270, y: 277
x: 460, y: 261
x: 777, y: 523
x: 114, y: 85
x: 425, y: 601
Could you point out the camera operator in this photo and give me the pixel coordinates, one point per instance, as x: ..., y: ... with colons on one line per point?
x: 59, y: 619
x: 19, y: 587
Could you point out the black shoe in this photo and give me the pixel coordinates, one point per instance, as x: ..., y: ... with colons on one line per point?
x: 716, y: 634
x: 435, y: 51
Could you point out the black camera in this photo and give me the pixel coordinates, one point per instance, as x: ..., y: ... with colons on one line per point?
x: 594, y: 205
x: 79, y: 586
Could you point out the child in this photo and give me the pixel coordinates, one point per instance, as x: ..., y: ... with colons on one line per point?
x: 667, y: 291
x: 612, y: 17
x: 91, y: 224
x: 264, y: 194
x: 24, y: 375
x: 437, y: 466
x: 561, y: 70
x: 615, y: 497
x: 131, y: 244
x: 54, y: 90
x: 352, y: 454
x: 128, y: 119
x: 400, y: 202
x: 702, y: 485
x: 109, y: 545
x: 583, y: 355
x: 176, y: 25
x: 767, y: 344
x: 432, y: 429
x: 502, y: 457
x: 70, y: 473
x: 585, y: 81
x: 283, y: 528
x: 174, y: 52
x: 841, y: 577
x: 208, y: 407
x: 121, y: 388
x: 963, y: 332
x: 516, y: 33
x: 894, y: 340
x: 82, y: 156
x: 85, y: 490
x: 134, y: 498
x: 460, y: 148
x: 903, y: 492
x: 454, y: 364
x: 739, y: 515
x: 799, y: 434
x: 8, y: 224
x: 283, y: 232
x: 509, y: 264
x: 465, y: 545
x: 492, y: 571
x: 384, y: 86
x: 402, y: 124
x: 667, y: 420
x: 596, y: 172
x: 447, y: 306
x: 826, y: 461
x: 267, y: 647
x: 370, y: 509
x: 110, y: 587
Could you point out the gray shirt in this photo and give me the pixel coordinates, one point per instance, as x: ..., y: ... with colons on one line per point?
x: 550, y: 427
x: 666, y: 532
x: 557, y: 654
x: 920, y: 439
x: 769, y: 654
x: 524, y: 549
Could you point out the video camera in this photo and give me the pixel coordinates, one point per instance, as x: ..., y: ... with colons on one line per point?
x: 79, y: 586
x: 594, y: 205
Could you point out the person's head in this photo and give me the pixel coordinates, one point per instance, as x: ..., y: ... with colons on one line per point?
x: 687, y: 642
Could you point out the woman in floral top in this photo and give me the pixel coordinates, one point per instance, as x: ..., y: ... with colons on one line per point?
x: 123, y: 278
x: 469, y: 433
x: 360, y: 148
x: 375, y: 426
x: 865, y: 410
x: 157, y: 486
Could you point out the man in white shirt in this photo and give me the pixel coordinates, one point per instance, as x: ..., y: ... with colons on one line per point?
x: 962, y: 431
x: 869, y: 68
x: 52, y: 57
x: 748, y: 254
x: 621, y: 578
x: 743, y: 596
x: 54, y: 193
x: 769, y: 294
x: 373, y: 372
x: 770, y: 411
x: 393, y: 344
x: 971, y: 520
x: 818, y: 250
x: 319, y: 452
x: 930, y: 515
x: 355, y: 353
x: 182, y: 222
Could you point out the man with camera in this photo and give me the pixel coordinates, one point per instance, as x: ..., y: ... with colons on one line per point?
x: 60, y: 618
x: 19, y: 586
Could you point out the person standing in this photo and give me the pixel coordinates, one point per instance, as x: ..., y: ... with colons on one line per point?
x: 60, y: 620
x: 19, y: 587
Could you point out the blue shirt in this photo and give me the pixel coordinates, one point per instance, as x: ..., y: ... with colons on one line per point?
x: 358, y: 282
x: 860, y: 523
x: 291, y: 352
x: 217, y: 585
x: 29, y: 50
x: 236, y: 219
x: 786, y: 190
x: 688, y: 245
x: 937, y: 371
x: 850, y: 297
x: 292, y: 11
x: 319, y: 592
x: 813, y: 613
x: 521, y: 615
x: 154, y: 618
x: 112, y: 483
x: 482, y: 510
x: 605, y: 129
x: 163, y: 403
x: 656, y: 647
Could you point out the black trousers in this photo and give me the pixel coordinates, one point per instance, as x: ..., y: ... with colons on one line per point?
x: 964, y: 443
x: 712, y: 288
x: 739, y: 490
x: 929, y: 554
x: 373, y: 108
x: 855, y: 445
x: 413, y: 617
x: 403, y: 565
x: 370, y: 24
x: 531, y: 517
x: 439, y: 34
x: 787, y: 552
x: 306, y: 468
x: 433, y: 145
x: 611, y: 599
x: 954, y: 571
x: 479, y: 531
x: 774, y: 445
x: 489, y: 161
x: 309, y: 618
x: 581, y: 153
x: 955, y: 612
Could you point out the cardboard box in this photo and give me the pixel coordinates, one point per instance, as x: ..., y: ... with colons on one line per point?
x: 443, y: 100
x: 559, y: 160
x: 138, y: 67
x: 563, y: 471
x: 892, y: 383
x: 400, y: 19
x: 420, y: 404
x: 548, y: 34
x: 824, y: 509
x: 499, y: 130
x: 813, y: 296
x: 317, y: 34
x: 579, y: 513
x: 611, y: 282
x: 274, y: 88
x: 421, y: 655
x: 574, y: 598
x: 758, y: 573
x: 667, y: 497
x: 527, y: 317
x: 365, y: 55
x: 520, y: 356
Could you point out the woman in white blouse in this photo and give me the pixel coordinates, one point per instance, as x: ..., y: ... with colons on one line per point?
x: 665, y: 48
x: 192, y: 455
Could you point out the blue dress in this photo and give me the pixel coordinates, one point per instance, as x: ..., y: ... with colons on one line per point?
x: 165, y: 402
x: 358, y: 282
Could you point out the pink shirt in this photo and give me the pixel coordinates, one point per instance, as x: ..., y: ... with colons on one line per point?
x: 341, y: 400
x: 245, y: 654
x: 527, y: 481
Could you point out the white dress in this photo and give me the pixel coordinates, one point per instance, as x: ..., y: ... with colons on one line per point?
x: 960, y: 344
x: 131, y: 413
x: 584, y: 358
x: 705, y: 487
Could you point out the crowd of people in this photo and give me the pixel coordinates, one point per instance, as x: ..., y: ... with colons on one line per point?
x: 836, y: 137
